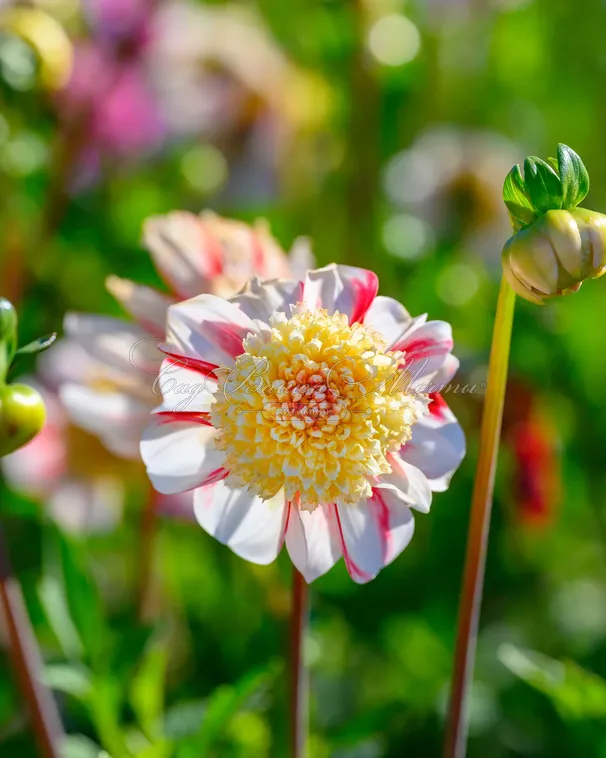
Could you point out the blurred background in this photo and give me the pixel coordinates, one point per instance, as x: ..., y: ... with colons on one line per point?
x: 381, y: 130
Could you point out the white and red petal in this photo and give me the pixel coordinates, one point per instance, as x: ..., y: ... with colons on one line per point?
x: 115, y: 417
x: 208, y: 328
x: 364, y: 539
x: 186, y: 256
x: 443, y: 375
x: 427, y: 347
x: 437, y: 446
x: 413, y: 487
x: 179, y: 452
x: 395, y: 519
x: 346, y: 289
x: 260, y: 299
x: 253, y: 528
x: 313, y: 541
x: 184, y: 387
x: 146, y: 305
x: 389, y: 318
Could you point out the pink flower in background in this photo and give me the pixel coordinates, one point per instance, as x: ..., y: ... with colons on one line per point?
x: 62, y: 466
x: 298, y: 413
x: 113, y: 396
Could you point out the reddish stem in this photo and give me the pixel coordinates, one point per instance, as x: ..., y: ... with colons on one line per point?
x: 27, y: 661
x: 299, y: 675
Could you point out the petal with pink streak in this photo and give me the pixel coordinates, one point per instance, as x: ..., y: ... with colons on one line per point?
x: 146, y: 305
x: 395, y: 519
x: 412, y: 485
x: 312, y: 541
x: 179, y: 452
x: 260, y: 299
x: 364, y: 539
x: 437, y: 446
x: 115, y: 417
x: 253, y: 528
x: 346, y: 289
x: 209, y: 328
x: 182, y: 252
x: 426, y: 348
x: 184, y: 388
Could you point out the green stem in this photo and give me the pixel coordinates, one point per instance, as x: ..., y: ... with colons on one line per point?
x: 299, y: 676
x: 455, y: 744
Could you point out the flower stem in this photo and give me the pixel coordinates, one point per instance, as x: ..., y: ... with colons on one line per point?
x: 299, y: 675
x: 455, y: 745
x: 27, y: 661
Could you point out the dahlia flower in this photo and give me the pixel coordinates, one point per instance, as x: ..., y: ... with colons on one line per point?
x: 114, y: 393
x: 305, y: 413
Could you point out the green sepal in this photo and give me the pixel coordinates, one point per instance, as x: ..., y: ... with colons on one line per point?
x: 517, y: 200
x: 8, y: 336
x: 37, y: 345
x: 573, y: 177
x: 543, y: 185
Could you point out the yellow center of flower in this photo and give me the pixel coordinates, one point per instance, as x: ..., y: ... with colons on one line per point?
x: 313, y: 405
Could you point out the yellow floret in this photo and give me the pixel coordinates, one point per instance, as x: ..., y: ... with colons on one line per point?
x: 313, y: 405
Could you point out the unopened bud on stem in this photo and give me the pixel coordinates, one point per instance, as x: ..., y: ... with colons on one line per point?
x: 557, y: 245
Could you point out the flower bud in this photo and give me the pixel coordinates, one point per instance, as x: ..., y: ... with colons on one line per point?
x: 556, y: 253
x: 557, y: 245
x: 22, y: 416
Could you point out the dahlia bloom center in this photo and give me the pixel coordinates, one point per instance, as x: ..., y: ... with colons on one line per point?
x: 313, y: 405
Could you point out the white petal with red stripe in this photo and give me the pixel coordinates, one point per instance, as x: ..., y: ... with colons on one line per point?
x: 179, y: 452
x: 184, y: 254
x: 209, y: 328
x: 251, y: 527
x: 312, y: 540
x: 412, y: 485
x: 427, y: 347
x: 437, y: 446
x: 363, y: 539
x: 395, y: 518
x: 346, y: 289
x: 183, y: 387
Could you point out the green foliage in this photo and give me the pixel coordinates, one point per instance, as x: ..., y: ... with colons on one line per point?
x: 575, y: 692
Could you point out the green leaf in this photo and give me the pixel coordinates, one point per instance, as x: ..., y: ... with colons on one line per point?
x: 52, y: 596
x: 73, y: 680
x: 37, y: 345
x: 105, y: 705
x: 79, y: 746
x: 147, y: 691
x: 575, y: 693
x: 223, y: 704
x: 573, y: 175
x: 70, y: 565
x: 542, y: 185
x: 516, y: 198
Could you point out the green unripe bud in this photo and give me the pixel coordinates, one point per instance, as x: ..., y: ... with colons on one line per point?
x: 22, y: 416
x: 556, y: 253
